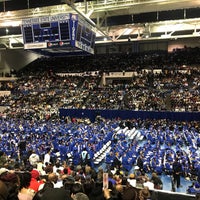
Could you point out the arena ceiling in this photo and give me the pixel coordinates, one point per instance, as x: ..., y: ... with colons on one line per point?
x: 113, y: 20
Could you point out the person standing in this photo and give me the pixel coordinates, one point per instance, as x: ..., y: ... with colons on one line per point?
x: 140, y: 162
x: 85, y: 157
x: 177, y: 170
x: 34, y: 158
x: 116, y: 161
x: 109, y: 160
x: 3, y: 159
x: 47, y: 156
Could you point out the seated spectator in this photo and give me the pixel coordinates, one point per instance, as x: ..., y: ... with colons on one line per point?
x: 68, y: 182
x: 52, y: 194
x: 3, y: 191
x: 25, y: 193
x: 39, y: 194
x: 106, y: 194
x: 131, y: 179
x: 3, y: 159
x: 53, y: 177
x: 129, y: 193
x: 194, y: 188
x: 35, y: 180
x: 148, y: 183
x: 80, y: 196
x: 11, y: 180
x: 197, y: 196
x: 140, y: 177
x: 144, y: 194
x: 77, y: 187
x: 157, y: 181
x: 119, y: 190
x: 97, y: 193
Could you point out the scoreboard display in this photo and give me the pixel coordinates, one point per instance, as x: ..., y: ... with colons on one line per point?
x: 63, y: 30
x: 85, y: 37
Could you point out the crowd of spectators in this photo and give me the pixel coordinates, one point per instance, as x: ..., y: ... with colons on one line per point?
x: 30, y: 126
x: 116, y: 62
x: 69, y: 183
x: 152, y: 147
x: 146, y: 91
x: 153, y: 88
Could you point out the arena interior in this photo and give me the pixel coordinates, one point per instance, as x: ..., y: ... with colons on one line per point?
x: 99, y: 99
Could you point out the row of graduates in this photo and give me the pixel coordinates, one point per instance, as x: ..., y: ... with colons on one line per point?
x: 62, y: 137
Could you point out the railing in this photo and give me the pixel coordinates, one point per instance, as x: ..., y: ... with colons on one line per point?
x: 95, y: 6
x: 129, y: 114
x: 166, y: 195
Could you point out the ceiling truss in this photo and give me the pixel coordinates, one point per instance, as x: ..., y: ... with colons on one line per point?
x: 100, y: 10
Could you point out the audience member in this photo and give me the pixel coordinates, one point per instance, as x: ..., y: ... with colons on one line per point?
x: 25, y: 193
x: 35, y: 180
x: 157, y: 181
x: 177, y: 170
x: 144, y: 194
x: 3, y: 191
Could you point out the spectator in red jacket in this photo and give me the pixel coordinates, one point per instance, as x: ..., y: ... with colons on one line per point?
x: 35, y: 182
